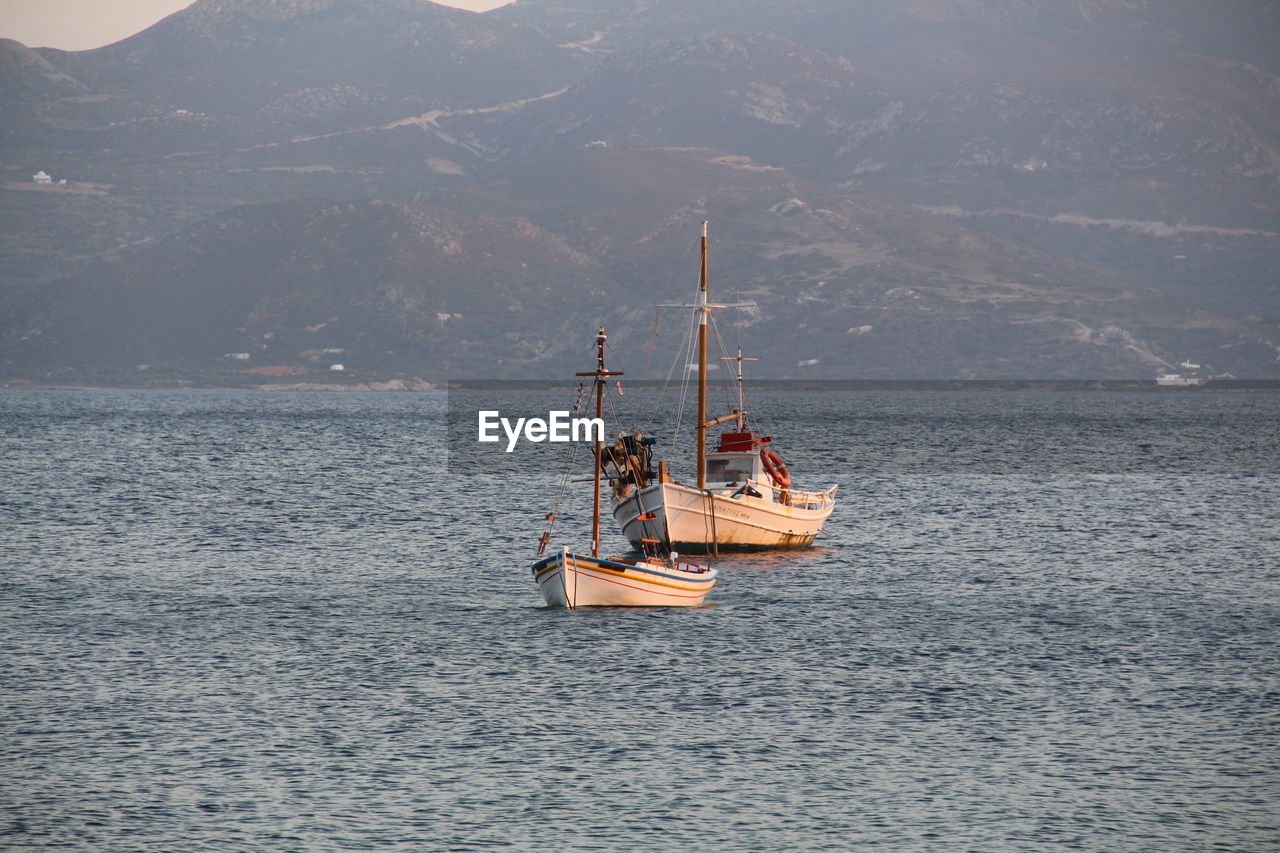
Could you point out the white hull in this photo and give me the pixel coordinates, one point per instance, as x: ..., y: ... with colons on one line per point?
x: 576, y: 580
x: 687, y: 520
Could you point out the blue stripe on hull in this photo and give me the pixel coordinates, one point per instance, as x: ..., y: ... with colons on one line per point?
x: 544, y: 562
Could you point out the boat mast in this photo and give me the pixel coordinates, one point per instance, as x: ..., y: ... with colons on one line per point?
x: 600, y: 374
x: 742, y: 413
x: 703, y: 311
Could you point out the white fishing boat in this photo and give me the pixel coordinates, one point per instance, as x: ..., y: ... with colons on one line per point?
x: 574, y: 579
x: 741, y: 497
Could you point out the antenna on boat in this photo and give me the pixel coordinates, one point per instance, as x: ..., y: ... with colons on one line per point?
x: 742, y: 419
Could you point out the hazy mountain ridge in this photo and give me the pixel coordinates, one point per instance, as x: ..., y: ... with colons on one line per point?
x: 397, y: 50
x: 1106, y: 29
x: 1120, y: 162
x: 394, y: 285
x: 843, y: 277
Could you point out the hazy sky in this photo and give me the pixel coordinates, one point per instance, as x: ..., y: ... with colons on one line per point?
x: 82, y: 24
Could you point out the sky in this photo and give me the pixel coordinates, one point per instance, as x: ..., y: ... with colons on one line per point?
x: 84, y: 24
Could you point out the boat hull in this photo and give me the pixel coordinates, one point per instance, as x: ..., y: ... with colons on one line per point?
x: 576, y: 580
x: 691, y: 521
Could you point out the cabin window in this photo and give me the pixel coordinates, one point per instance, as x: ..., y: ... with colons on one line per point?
x: 732, y: 470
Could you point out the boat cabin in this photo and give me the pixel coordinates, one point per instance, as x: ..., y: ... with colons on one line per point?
x: 736, y: 461
x: 726, y: 470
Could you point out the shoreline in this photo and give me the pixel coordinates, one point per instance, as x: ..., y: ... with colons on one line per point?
x: 393, y: 386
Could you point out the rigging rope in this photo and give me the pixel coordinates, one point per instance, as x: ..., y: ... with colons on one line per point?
x: 571, y: 454
x: 686, y: 353
x: 651, y: 347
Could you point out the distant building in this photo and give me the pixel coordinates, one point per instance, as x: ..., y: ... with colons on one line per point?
x: 41, y: 177
x: 337, y: 367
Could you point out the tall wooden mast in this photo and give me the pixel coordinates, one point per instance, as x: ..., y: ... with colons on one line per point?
x: 704, y: 308
x: 600, y: 374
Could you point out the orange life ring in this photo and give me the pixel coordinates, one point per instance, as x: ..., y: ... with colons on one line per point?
x: 774, y: 467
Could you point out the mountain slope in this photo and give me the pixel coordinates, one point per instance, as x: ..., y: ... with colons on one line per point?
x: 388, y: 285
x: 231, y: 102
x: 497, y: 279
x: 853, y: 284
x: 915, y: 188
x: 285, y: 59
x: 979, y: 119
x: 875, y: 30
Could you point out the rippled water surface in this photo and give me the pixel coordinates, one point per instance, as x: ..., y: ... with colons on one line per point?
x: 276, y: 622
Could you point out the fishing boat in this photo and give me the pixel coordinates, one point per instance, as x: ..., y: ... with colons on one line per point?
x: 741, y: 497
x: 573, y: 579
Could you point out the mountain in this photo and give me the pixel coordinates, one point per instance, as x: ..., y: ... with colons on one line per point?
x: 231, y: 102
x: 300, y: 60
x: 849, y: 281
x: 1090, y: 29
x: 1010, y: 133
x: 380, y: 285
x: 942, y: 188
x: 767, y: 97
x: 501, y: 278
x: 975, y: 116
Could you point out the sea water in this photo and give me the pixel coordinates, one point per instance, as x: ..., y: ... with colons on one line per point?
x: 255, y: 621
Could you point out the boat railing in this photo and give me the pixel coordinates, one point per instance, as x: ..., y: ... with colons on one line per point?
x: 801, y: 499
x: 797, y: 498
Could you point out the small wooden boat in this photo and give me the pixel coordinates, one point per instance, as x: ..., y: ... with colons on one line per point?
x: 581, y: 580
x: 574, y: 579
